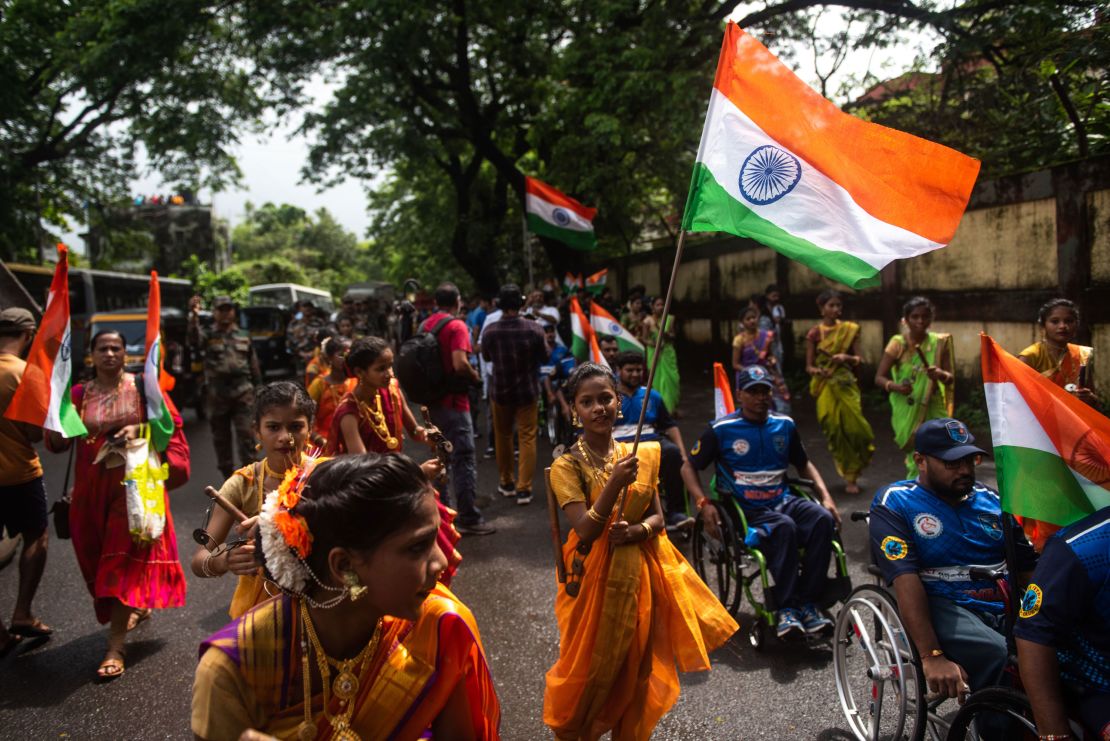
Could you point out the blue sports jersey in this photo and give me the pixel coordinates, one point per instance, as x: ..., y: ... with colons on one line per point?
x: 656, y: 421
x: 1067, y: 605
x: 558, y: 366
x: 751, y: 457
x: 915, y: 531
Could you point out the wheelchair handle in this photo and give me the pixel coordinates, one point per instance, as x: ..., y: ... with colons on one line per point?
x: 860, y: 516
x: 799, y: 482
x: 982, y: 573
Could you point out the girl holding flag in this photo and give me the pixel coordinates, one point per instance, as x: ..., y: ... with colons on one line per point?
x: 127, y: 578
x: 832, y: 355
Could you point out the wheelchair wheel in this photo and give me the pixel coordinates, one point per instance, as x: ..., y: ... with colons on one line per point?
x: 878, y: 677
x: 756, y: 634
x: 994, y: 713
x: 552, y: 427
x: 715, y: 560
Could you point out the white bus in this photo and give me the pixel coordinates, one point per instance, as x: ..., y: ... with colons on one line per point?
x: 284, y: 295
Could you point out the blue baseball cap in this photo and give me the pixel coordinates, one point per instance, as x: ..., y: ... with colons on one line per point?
x: 754, y: 375
x: 945, y: 438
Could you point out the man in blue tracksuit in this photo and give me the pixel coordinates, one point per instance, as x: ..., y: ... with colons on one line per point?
x: 926, y: 534
x: 752, y: 449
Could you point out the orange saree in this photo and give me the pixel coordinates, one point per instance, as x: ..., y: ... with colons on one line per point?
x: 641, y: 615
x: 249, y: 676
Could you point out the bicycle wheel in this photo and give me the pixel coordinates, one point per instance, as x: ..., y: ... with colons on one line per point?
x: 878, y: 679
x: 714, y: 560
x: 994, y: 713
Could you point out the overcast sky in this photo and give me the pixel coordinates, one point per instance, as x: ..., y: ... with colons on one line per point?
x: 271, y: 164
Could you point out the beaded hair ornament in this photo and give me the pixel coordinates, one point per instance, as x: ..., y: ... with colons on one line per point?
x: 286, y: 539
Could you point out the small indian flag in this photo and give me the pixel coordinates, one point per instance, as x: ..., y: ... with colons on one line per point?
x: 602, y: 322
x: 156, y: 382
x: 580, y: 331
x: 723, y: 403
x: 1052, y: 450
x: 595, y: 283
x: 572, y: 283
x: 558, y: 216
x: 780, y: 164
x: 42, y: 398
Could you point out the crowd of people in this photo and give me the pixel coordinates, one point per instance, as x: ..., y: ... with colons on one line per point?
x: 343, y: 623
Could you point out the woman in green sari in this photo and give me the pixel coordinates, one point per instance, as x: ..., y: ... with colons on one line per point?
x: 918, y: 372
x: 832, y: 354
x: 666, y: 375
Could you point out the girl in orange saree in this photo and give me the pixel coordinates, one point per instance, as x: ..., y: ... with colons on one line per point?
x: 1066, y: 364
x: 364, y: 643
x: 633, y: 612
x: 832, y: 352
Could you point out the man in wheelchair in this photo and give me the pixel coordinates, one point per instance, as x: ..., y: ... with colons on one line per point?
x: 659, y: 427
x: 1063, y: 629
x: 925, y: 535
x: 752, y: 449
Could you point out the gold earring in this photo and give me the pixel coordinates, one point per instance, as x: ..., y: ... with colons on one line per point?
x: 356, y: 590
x: 257, y: 447
x: 574, y: 419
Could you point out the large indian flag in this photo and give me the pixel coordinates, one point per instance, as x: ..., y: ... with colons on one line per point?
x: 1052, y: 450
x: 42, y: 398
x: 602, y: 322
x: 780, y: 164
x: 156, y: 381
x: 557, y: 215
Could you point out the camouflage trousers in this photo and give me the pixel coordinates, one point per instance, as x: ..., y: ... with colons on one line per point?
x: 227, y: 411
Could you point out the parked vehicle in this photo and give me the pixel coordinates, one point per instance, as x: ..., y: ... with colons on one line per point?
x: 266, y: 325
x: 284, y: 295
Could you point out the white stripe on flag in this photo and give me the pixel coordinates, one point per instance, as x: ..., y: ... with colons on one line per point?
x: 818, y: 209
x: 59, y: 382
x: 1012, y: 421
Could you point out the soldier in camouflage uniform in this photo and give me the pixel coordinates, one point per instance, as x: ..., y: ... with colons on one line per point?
x: 231, y: 372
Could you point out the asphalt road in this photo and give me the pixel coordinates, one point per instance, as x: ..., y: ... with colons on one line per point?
x: 783, y: 692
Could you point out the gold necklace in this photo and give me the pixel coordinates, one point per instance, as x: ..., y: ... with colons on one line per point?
x: 375, y: 417
x: 345, y: 685
x: 600, y: 472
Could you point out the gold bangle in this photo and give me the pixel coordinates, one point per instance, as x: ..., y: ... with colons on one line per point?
x: 594, y: 515
x: 648, y: 531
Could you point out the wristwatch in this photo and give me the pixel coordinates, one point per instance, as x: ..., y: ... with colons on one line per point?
x: 935, y: 653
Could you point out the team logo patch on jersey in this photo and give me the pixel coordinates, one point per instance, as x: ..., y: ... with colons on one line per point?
x: 894, y: 548
x: 779, y: 441
x: 991, y: 524
x: 696, y: 449
x: 957, y: 431
x: 927, y: 525
x: 1031, y: 601
x: 741, y: 447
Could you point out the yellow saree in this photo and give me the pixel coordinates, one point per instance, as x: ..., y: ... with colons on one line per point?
x: 250, y: 676
x: 641, y: 612
x: 839, y: 410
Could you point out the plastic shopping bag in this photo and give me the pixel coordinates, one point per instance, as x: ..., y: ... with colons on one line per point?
x: 145, y: 481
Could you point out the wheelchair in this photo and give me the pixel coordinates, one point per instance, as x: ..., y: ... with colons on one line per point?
x: 881, y: 685
x: 733, y: 566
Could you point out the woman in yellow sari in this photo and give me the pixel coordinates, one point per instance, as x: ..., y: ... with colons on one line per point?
x: 1066, y: 364
x: 917, y: 371
x: 633, y: 612
x: 364, y: 642
x: 832, y: 354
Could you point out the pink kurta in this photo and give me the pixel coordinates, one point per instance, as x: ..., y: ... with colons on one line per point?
x: 115, y: 566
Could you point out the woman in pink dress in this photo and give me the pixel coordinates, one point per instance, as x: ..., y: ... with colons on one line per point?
x: 127, y: 578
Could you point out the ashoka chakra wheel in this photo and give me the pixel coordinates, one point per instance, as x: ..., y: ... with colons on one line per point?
x: 768, y: 174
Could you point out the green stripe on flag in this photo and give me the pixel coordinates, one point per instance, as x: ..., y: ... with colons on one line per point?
x: 571, y: 237
x: 1038, y: 484
x: 72, y: 426
x: 711, y: 209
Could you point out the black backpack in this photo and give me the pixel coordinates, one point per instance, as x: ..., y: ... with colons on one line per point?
x: 419, y: 367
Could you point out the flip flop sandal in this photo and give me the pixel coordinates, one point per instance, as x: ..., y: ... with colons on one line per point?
x: 8, y: 645
x: 110, y: 669
x: 34, y: 629
x: 138, y: 617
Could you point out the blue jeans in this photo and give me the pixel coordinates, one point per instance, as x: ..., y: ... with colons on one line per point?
x: 971, y: 639
x: 795, y: 523
x: 456, y: 426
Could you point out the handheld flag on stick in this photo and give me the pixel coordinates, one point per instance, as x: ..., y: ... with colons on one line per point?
x: 1052, y: 450
x: 723, y: 403
x: 156, y: 382
x: 580, y: 331
x: 780, y: 164
x: 572, y: 283
x: 43, y: 398
x: 602, y: 322
x: 595, y: 283
x: 558, y: 216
